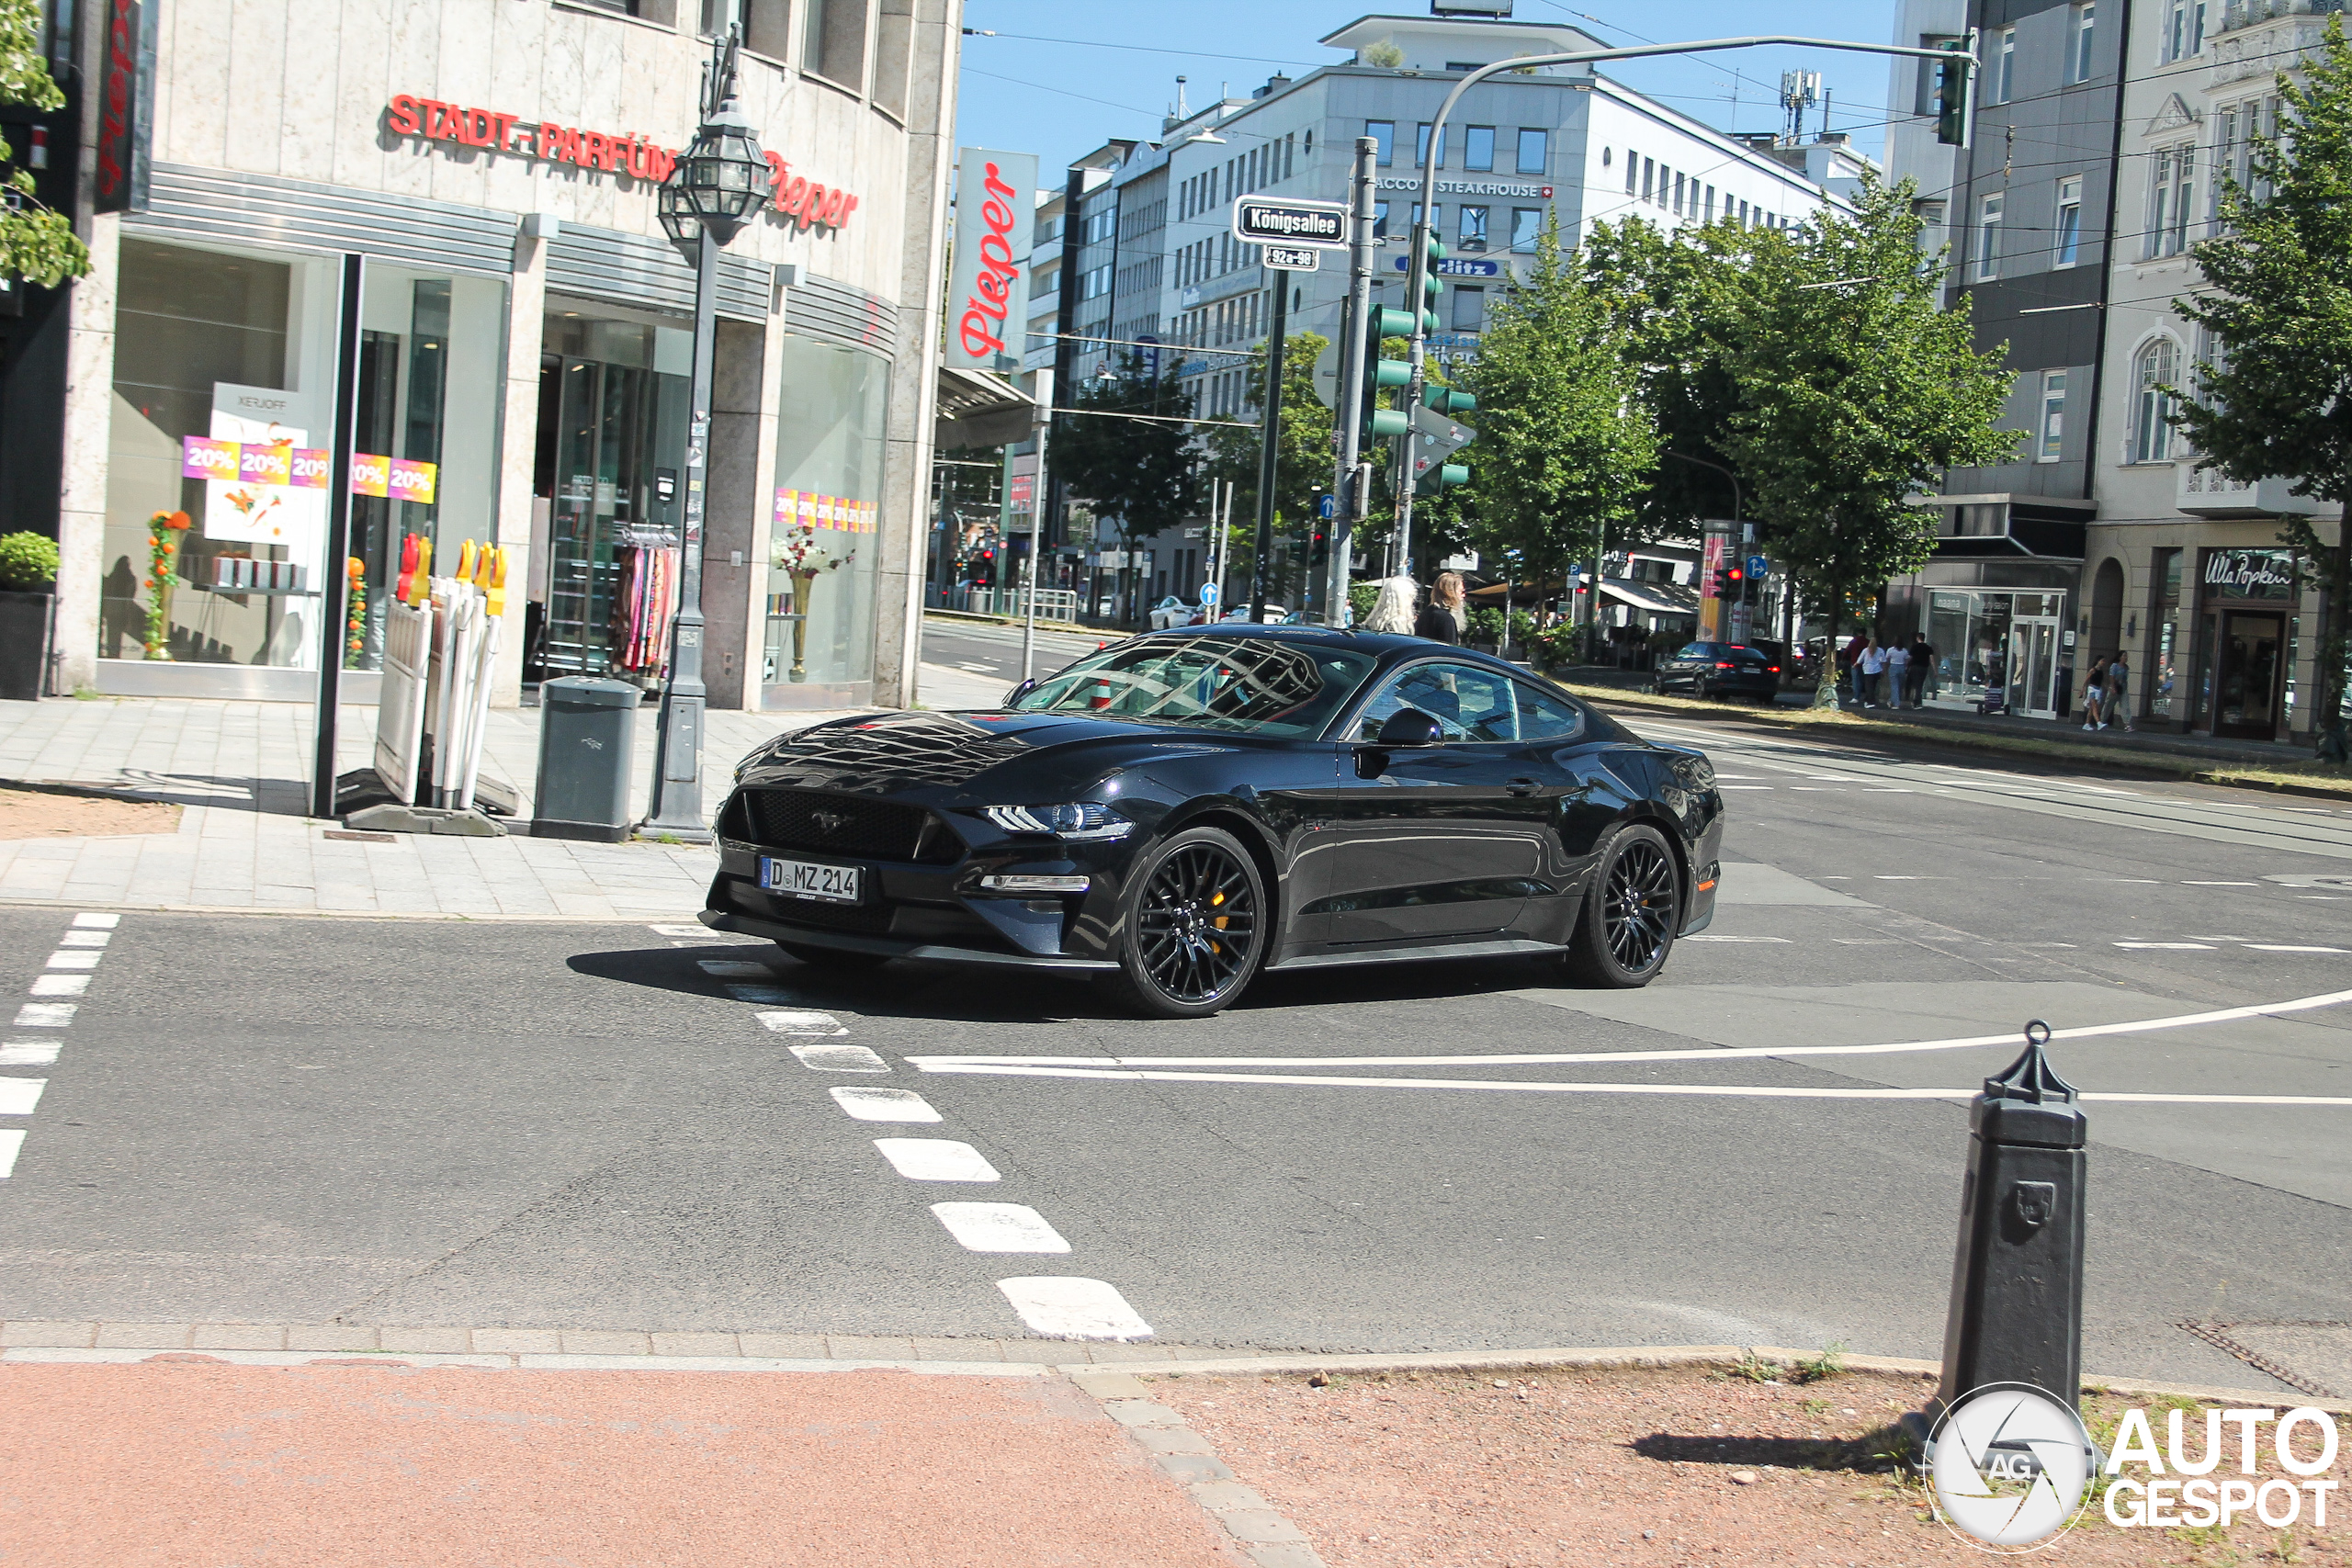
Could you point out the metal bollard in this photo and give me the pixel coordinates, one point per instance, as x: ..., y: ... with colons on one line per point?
x: 2016, y: 1314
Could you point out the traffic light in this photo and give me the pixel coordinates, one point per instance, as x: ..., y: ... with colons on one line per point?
x: 1380, y: 421
x: 1446, y: 400
x: 1755, y: 588
x: 1953, y: 115
x: 1431, y: 283
x: 1734, y: 589
x: 984, y: 571
x: 1436, y: 438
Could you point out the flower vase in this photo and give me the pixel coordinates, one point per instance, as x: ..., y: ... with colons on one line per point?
x: 803, y: 584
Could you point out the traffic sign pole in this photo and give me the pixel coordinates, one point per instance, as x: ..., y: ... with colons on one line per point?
x: 1270, y: 444
x: 1353, y: 347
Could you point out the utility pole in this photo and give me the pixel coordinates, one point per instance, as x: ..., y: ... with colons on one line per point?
x: 1271, y: 440
x: 1347, y: 491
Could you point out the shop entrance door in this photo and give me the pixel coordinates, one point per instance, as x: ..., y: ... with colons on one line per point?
x: 2246, y: 693
x: 2033, y: 667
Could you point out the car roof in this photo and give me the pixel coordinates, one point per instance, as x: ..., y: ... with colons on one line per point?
x: 1385, y: 646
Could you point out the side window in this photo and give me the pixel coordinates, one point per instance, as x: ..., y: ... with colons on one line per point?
x: 1542, y: 717
x: 1693, y: 650
x: 1469, y: 703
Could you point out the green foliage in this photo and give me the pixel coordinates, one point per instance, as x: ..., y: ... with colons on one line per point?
x: 28, y: 561
x: 1855, y: 389
x: 1303, y: 459
x: 1362, y: 596
x: 35, y: 242
x: 2272, y: 400
x: 1137, y: 473
x: 1564, y: 441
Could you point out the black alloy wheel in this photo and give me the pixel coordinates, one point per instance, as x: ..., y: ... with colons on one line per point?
x: 1195, y: 927
x: 1633, y: 909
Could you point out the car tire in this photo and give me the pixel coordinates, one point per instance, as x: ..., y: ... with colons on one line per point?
x: 1178, y: 955
x: 833, y: 959
x: 1632, y: 911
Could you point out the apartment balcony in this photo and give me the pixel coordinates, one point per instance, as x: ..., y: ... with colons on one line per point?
x: 2209, y: 492
x: 2238, y: 15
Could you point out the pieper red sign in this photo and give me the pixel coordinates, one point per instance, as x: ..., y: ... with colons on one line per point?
x: 809, y: 203
x: 117, y: 104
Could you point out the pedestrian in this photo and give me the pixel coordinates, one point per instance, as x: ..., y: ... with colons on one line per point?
x: 1869, y: 664
x: 1443, y: 617
x: 2095, y: 693
x: 1849, y: 666
x: 1899, y: 674
x: 1392, y: 608
x: 1923, y: 666
x: 2118, y: 691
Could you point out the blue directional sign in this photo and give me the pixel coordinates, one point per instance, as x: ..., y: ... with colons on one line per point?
x: 1759, y: 567
x: 1324, y: 508
x: 1208, y: 593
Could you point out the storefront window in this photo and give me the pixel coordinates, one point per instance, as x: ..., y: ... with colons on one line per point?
x: 2164, y: 646
x: 222, y: 349
x: 822, y: 540
x: 607, y: 509
x: 224, y: 396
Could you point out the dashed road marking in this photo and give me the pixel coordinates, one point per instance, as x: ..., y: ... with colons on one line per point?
x: 2220, y: 885
x: 60, y: 984
x: 1704, y: 936
x: 734, y: 969
x: 2282, y: 947
x: 85, y: 939
x: 71, y: 958
x: 45, y: 1015
x: 2170, y: 946
x: 999, y: 1227
x: 96, y: 923
x: 884, y: 1104
x: 1070, y: 1308
x: 18, y: 1096
x: 682, y: 931
x: 839, y: 1059
x: 765, y: 995
x: 936, y: 1159
x: 787, y: 1021
x: 29, y: 1054
x: 12, y: 1142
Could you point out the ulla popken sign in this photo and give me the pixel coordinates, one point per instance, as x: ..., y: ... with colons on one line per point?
x: 2250, y: 574
x: 806, y: 201
x: 996, y: 195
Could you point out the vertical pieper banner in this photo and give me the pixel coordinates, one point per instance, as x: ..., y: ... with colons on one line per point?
x: 126, y: 107
x: 988, y: 304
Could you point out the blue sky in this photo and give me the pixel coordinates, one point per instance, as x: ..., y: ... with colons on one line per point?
x: 1063, y: 75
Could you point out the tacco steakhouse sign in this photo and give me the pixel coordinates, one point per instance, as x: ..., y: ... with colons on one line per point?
x: 804, y: 200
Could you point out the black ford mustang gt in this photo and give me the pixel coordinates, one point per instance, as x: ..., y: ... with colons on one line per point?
x: 1179, y: 812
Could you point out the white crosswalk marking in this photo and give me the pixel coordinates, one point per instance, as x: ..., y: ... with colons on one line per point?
x: 786, y: 1022
x: 1070, y: 1308
x: 884, y: 1104
x: 18, y: 1096
x: 839, y: 1059
x: 98, y: 923
x: 936, y: 1159
x: 999, y: 1227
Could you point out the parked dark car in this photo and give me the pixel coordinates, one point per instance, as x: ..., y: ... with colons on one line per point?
x: 1183, y: 810
x: 1720, y: 670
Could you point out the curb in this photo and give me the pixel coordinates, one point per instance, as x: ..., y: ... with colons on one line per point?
x: 2154, y: 763
x: 548, y: 1349
x: 1252, y: 1524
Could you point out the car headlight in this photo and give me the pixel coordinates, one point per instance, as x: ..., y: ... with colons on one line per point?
x: 1078, y: 819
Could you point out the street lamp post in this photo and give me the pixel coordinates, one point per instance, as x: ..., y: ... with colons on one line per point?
x: 1416, y: 278
x: 714, y: 190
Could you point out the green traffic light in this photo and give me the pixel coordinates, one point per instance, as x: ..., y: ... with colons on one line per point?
x: 1391, y: 373
x: 1390, y: 422
x: 1444, y: 400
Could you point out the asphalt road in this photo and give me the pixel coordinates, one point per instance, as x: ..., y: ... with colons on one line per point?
x: 273, y: 1118
x: 980, y: 648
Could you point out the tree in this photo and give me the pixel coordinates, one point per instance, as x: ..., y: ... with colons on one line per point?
x: 1566, y: 443
x: 35, y: 242
x: 2272, y: 398
x: 1303, y: 456
x: 1138, y: 471
x: 1855, y: 391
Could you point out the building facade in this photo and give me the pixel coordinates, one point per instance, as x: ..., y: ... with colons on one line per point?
x: 1151, y: 259
x: 524, y: 341
x: 2186, y: 572
x: 2022, y: 217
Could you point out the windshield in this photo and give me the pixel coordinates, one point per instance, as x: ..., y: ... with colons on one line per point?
x: 1215, y: 682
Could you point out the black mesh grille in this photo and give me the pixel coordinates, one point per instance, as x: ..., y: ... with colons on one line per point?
x: 844, y: 825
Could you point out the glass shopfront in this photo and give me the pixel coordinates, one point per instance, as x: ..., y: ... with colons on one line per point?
x: 2166, y: 645
x: 220, y: 447
x: 823, y: 543
x: 2246, y: 630
x: 607, y: 508
x: 1996, y: 651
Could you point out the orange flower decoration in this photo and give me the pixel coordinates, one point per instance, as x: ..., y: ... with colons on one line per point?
x: 178, y: 520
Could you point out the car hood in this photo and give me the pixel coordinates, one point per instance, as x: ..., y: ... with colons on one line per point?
x: 946, y: 759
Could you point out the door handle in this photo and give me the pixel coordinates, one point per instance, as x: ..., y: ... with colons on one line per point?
x: 1522, y: 786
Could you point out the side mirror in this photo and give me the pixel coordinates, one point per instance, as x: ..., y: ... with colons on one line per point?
x: 1408, y: 727
x: 1022, y: 689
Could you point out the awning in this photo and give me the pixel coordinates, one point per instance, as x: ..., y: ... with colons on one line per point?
x: 979, y: 410
x: 1658, y: 598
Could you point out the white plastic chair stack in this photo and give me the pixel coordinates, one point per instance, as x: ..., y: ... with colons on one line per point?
x: 441, y: 643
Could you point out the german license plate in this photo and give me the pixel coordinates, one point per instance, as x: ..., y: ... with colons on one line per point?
x: 806, y: 879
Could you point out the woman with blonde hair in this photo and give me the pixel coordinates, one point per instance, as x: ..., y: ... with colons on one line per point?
x: 1392, y: 611
x: 1443, y: 617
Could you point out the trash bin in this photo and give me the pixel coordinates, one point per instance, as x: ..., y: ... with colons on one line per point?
x: 587, y: 734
